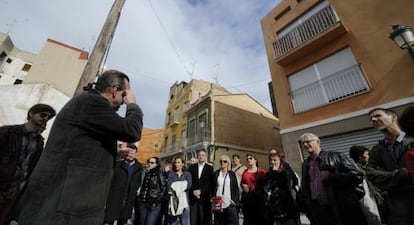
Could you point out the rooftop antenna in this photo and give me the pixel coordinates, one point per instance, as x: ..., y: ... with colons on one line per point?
x: 193, y: 63
x: 216, y: 77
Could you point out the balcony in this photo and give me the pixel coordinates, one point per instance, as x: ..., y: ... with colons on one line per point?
x: 173, y: 124
x: 316, y: 24
x: 336, y: 87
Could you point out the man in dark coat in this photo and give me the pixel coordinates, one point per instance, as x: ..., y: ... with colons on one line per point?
x: 124, y: 186
x: 20, y: 149
x: 71, y: 181
x: 331, y: 185
x: 201, y: 190
x: 387, y: 168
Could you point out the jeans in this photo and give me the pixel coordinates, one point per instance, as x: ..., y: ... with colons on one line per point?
x: 184, y: 218
x: 148, y: 214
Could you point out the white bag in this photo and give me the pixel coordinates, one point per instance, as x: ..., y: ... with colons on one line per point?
x: 369, y: 207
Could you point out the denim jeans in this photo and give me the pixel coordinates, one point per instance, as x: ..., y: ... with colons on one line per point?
x: 184, y: 218
x: 148, y: 214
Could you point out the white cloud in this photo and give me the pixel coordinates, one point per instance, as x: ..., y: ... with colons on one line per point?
x: 157, y: 42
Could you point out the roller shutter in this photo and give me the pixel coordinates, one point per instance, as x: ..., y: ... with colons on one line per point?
x: 342, y: 142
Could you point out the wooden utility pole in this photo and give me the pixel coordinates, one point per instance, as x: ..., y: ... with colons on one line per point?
x: 91, y: 69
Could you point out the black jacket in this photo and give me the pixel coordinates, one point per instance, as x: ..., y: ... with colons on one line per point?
x: 204, y: 184
x: 119, y: 190
x: 234, y: 187
x: 10, y: 149
x: 343, y: 186
x: 280, y: 192
x: 391, y: 175
x: 153, y: 187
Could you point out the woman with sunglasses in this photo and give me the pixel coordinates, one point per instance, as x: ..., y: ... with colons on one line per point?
x: 253, y: 195
x: 281, y: 185
x: 151, y: 192
x: 226, y: 188
x: 179, y: 183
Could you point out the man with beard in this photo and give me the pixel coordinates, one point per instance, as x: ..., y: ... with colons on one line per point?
x: 387, y: 167
x: 20, y: 149
x: 71, y: 181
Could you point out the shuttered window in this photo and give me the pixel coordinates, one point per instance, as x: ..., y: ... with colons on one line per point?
x: 342, y: 142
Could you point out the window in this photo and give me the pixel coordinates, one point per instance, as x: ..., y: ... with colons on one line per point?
x: 176, y: 112
x: 183, y: 138
x: 173, y: 143
x: 202, y: 121
x: 332, y: 79
x: 18, y: 81
x: 168, y: 119
x: 165, y: 143
x: 26, y: 67
x: 185, y: 107
x: 191, y: 131
x: 3, y: 55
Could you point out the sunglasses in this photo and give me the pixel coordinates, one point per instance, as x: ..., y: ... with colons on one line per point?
x: 223, y: 161
x: 45, y: 115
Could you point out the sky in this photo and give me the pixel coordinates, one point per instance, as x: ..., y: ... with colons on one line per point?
x: 157, y: 42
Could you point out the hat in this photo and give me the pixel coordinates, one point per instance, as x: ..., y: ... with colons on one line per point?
x: 38, y: 108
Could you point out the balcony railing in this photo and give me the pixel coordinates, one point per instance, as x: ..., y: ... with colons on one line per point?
x: 316, y: 24
x: 338, y: 86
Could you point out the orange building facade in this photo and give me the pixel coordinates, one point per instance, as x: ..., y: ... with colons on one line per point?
x: 150, y: 144
x: 331, y: 62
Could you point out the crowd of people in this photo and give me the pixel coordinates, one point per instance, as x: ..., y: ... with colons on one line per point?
x: 82, y: 176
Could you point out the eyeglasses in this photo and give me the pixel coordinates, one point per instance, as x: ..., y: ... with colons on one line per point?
x: 45, y: 115
x: 223, y: 161
x: 308, y: 141
x: 250, y: 158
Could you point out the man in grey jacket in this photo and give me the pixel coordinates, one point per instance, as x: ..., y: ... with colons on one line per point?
x: 71, y: 181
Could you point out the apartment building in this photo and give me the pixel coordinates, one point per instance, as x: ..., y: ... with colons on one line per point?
x: 48, y: 77
x: 181, y: 96
x: 331, y: 62
x: 231, y: 124
x: 57, y: 64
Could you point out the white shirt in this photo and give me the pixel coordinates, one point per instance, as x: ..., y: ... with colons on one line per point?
x: 200, y: 169
x: 226, y: 197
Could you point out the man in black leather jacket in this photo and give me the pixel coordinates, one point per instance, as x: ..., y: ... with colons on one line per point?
x: 331, y: 186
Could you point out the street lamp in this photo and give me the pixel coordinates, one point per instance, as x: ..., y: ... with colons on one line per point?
x: 403, y: 37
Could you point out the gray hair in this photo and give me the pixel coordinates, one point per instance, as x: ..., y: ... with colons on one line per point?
x: 310, y: 135
x: 109, y: 79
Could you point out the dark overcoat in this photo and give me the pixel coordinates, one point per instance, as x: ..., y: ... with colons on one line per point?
x: 391, y: 175
x: 119, y: 187
x: 71, y: 181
